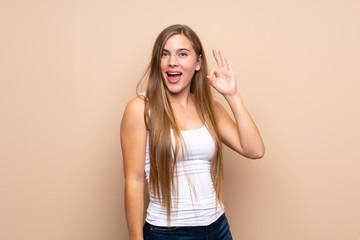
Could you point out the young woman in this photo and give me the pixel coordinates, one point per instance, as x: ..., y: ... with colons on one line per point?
x: 172, y: 135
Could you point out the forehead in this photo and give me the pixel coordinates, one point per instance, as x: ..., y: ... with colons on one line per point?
x: 178, y: 41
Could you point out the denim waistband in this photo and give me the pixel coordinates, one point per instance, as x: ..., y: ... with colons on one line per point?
x: 219, y: 230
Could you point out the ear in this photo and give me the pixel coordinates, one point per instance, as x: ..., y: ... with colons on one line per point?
x: 198, y: 63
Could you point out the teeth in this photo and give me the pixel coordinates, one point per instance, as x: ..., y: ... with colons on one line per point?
x: 174, y: 74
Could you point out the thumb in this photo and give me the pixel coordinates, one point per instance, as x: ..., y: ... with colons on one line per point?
x: 210, y: 77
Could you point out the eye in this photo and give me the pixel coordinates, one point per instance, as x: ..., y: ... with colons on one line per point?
x: 164, y: 54
x: 183, y: 54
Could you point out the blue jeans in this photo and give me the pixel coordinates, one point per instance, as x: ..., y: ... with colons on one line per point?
x: 218, y: 230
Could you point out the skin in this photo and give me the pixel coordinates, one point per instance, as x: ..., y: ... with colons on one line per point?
x: 133, y: 144
x: 179, y: 56
x: 242, y: 135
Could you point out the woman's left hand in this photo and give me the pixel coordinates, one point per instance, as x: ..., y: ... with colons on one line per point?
x: 222, y: 78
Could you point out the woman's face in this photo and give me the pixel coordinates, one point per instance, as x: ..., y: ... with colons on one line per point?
x: 179, y: 62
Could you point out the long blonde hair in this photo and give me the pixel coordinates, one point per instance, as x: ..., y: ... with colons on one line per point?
x: 163, y: 155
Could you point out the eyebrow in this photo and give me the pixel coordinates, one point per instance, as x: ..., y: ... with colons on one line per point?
x: 178, y: 50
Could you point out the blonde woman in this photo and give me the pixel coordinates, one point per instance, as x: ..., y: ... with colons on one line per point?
x: 172, y: 135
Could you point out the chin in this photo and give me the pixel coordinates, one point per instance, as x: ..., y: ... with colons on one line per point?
x: 173, y: 91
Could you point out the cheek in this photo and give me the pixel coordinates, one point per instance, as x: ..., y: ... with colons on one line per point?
x: 162, y: 65
x: 189, y: 65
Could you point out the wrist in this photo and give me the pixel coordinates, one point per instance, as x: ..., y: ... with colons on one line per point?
x: 231, y: 96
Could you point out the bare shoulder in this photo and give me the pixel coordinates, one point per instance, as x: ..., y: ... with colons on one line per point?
x: 134, y: 113
x: 133, y: 139
x: 135, y: 105
x: 219, y: 110
x: 218, y: 106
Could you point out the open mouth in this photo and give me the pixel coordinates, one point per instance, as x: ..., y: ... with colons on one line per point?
x: 174, y: 77
x: 174, y: 74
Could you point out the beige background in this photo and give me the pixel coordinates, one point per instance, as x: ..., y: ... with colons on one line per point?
x: 68, y: 68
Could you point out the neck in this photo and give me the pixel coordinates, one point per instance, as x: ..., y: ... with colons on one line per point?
x: 180, y: 99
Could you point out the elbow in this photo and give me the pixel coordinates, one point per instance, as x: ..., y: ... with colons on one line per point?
x: 257, y: 154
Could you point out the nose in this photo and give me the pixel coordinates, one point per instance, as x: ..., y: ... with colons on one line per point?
x: 173, y: 61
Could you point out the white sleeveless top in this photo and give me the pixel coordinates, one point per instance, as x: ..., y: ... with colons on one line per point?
x: 189, y: 208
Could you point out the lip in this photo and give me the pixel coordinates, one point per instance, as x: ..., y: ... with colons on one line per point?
x: 173, y: 79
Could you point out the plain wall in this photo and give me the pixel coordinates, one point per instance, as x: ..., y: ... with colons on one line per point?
x: 68, y: 68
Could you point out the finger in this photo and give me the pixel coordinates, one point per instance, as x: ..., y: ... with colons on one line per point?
x: 223, y: 61
x: 217, y: 59
x: 228, y: 64
x: 212, y: 73
x: 210, y: 80
x: 210, y: 77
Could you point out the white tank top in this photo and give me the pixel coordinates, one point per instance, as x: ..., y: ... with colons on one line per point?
x: 193, y: 172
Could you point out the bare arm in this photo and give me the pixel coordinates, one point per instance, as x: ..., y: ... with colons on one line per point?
x: 242, y: 135
x: 133, y: 143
